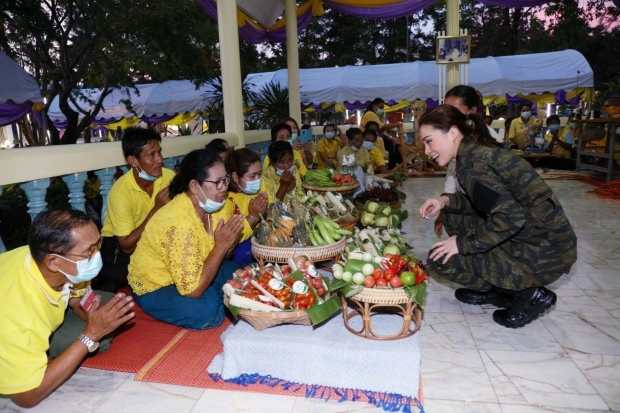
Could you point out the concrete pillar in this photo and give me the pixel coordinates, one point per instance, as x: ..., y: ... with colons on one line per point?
x: 453, y: 16
x: 231, y: 67
x: 292, y: 60
x: 106, y: 180
x: 75, y: 183
x: 36, y: 191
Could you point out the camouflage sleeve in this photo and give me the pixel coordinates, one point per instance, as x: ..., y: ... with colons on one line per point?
x: 458, y: 204
x: 505, y: 216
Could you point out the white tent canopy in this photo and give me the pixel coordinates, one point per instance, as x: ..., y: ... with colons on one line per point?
x: 526, y: 74
x: 155, y: 99
x: 17, y: 85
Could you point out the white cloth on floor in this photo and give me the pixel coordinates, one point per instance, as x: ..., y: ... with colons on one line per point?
x: 328, y: 355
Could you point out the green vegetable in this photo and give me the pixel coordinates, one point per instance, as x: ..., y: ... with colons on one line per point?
x: 382, y: 222
x: 391, y: 249
x: 371, y: 206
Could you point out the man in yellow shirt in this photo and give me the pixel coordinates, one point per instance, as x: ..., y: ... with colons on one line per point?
x: 35, y: 286
x: 558, y: 146
x: 133, y: 200
x: 328, y: 147
x: 377, y: 161
x: 522, y: 127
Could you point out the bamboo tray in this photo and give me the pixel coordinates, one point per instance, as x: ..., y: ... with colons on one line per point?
x: 261, y: 320
x: 265, y: 253
x: 343, y: 190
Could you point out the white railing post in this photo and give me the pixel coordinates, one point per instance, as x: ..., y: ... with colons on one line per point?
x: 36, y: 191
x: 75, y: 183
x: 106, y: 179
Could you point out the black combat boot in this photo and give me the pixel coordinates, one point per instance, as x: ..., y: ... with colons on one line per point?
x: 493, y: 296
x: 527, y: 305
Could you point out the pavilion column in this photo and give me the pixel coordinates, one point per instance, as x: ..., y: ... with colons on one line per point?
x: 231, y: 68
x: 453, y: 16
x: 292, y: 60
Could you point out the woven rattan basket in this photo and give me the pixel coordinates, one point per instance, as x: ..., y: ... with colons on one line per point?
x: 261, y: 320
x: 349, y: 226
x: 393, y: 205
x: 281, y: 255
x: 344, y: 189
x: 377, y: 300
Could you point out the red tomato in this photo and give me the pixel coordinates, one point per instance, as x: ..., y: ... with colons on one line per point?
x: 377, y: 274
x: 312, y: 299
x: 381, y: 282
x: 369, y: 281
x: 320, y: 291
x: 396, y: 282
x: 388, y: 274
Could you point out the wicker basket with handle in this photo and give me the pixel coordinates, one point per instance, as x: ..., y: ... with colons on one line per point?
x: 342, y: 189
x: 265, y: 253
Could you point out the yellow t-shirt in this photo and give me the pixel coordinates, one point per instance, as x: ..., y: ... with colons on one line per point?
x: 329, y: 148
x: 376, y: 158
x: 31, y: 311
x: 370, y: 116
x: 518, y: 133
x: 297, y: 159
x: 558, y: 150
x: 271, y: 183
x: 241, y: 206
x: 361, y: 156
x: 380, y: 144
x: 174, y: 247
x: 129, y: 205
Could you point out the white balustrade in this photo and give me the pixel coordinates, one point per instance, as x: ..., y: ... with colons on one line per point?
x: 75, y: 183
x: 36, y: 191
x: 106, y: 180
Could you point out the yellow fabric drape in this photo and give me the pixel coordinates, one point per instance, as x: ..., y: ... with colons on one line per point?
x: 399, y: 106
x: 123, y: 123
x: 183, y: 118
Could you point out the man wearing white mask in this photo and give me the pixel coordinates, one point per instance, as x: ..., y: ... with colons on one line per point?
x: 36, y: 286
x: 522, y: 127
x: 133, y: 200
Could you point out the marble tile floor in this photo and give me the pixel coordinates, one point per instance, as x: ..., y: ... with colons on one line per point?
x: 568, y: 361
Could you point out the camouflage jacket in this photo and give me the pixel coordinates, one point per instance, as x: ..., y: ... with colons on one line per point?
x: 519, y: 211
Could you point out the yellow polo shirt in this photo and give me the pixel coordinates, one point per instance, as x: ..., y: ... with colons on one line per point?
x: 361, y: 156
x: 174, y: 247
x: 271, y: 183
x: 128, y: 204
x: 297, y: 159
x: 558, y: 150
x: 518, y: 133
x: 376, y: 157
x: 31, y: 311
x: 241, y: 206
x: 329, y: 148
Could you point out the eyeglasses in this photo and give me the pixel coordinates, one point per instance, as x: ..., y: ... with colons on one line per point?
x: 93, y: 250
x: 220, y: 184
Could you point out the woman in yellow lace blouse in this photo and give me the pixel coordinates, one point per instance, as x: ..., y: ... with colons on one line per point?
x: 281, y: 179
x: 178, y: 268
x: 243, y: 166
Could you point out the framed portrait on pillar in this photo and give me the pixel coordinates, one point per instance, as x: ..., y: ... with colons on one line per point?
x: 452, y: 50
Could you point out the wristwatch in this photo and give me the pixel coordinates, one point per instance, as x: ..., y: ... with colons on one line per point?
x: 90, y: 344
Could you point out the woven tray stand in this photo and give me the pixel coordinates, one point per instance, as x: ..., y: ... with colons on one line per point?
x: 264, y: 254
x: 261, y: 320
x: 381, y: 300
x: 342, y: 190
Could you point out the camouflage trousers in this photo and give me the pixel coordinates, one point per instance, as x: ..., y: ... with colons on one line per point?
x: 498, y: 267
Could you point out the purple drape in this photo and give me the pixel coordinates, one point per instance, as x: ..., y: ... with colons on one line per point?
x: 560, y: 97
x: 514, y: 3
x: 157, y: 119
x: 38, y: 117
x: 390, y: 11
x: 251, y: 34
x: 12, y: 112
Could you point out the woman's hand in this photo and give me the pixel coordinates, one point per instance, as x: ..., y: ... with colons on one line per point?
x: 226, y: 233
x: 445, y: 249
x: 258, y: 205
x: 433, y: 206
x: 287, y: 180
x: 298, y: 146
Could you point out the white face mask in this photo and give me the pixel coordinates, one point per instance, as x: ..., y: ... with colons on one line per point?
x: 87, y: 269
x: 209, y: 206
x: 142, y: 174
x: 279, y: 172
x: 251, y: 187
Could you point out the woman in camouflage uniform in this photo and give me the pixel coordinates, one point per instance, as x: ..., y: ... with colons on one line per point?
x: 509, y: 236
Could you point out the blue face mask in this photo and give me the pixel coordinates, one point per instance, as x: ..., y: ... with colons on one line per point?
x: 379, y: 112
x: 553, y: 128
x: 368, y: 145
x: 573, y: 125
x: 210, y: 206
x: 279, y: 172
x: 87, y: 269
x: 526, y: 115
x: 330, y: 135
x: 355, y: 148
x: 293, y: 138
x: 251, y: 187
x: 142, y: 174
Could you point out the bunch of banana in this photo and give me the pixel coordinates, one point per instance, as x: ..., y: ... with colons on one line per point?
x: 325, y: 232
x: 320, y: 177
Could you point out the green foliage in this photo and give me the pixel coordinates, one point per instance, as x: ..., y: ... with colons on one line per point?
x: 272, y: 103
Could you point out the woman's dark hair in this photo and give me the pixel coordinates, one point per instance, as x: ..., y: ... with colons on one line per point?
x: 195, y: 165
x: 218, y: 142
x: 377, y: 101
x: 305, y: 127
x: 239, y: 161
x: 574, y: 115
x: 135, y: 138
x: 528, y: 104
x: 443, y: 117
x: 289, y: 119
x: 277, y: 128
x: 370, y: 132
x: 277, y: 150
x: 330, y: 125
x: 372, y: 123
x: 351, y: 132
x: 469, y: 96
x: 553, y: 117
x: 52, y: 231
